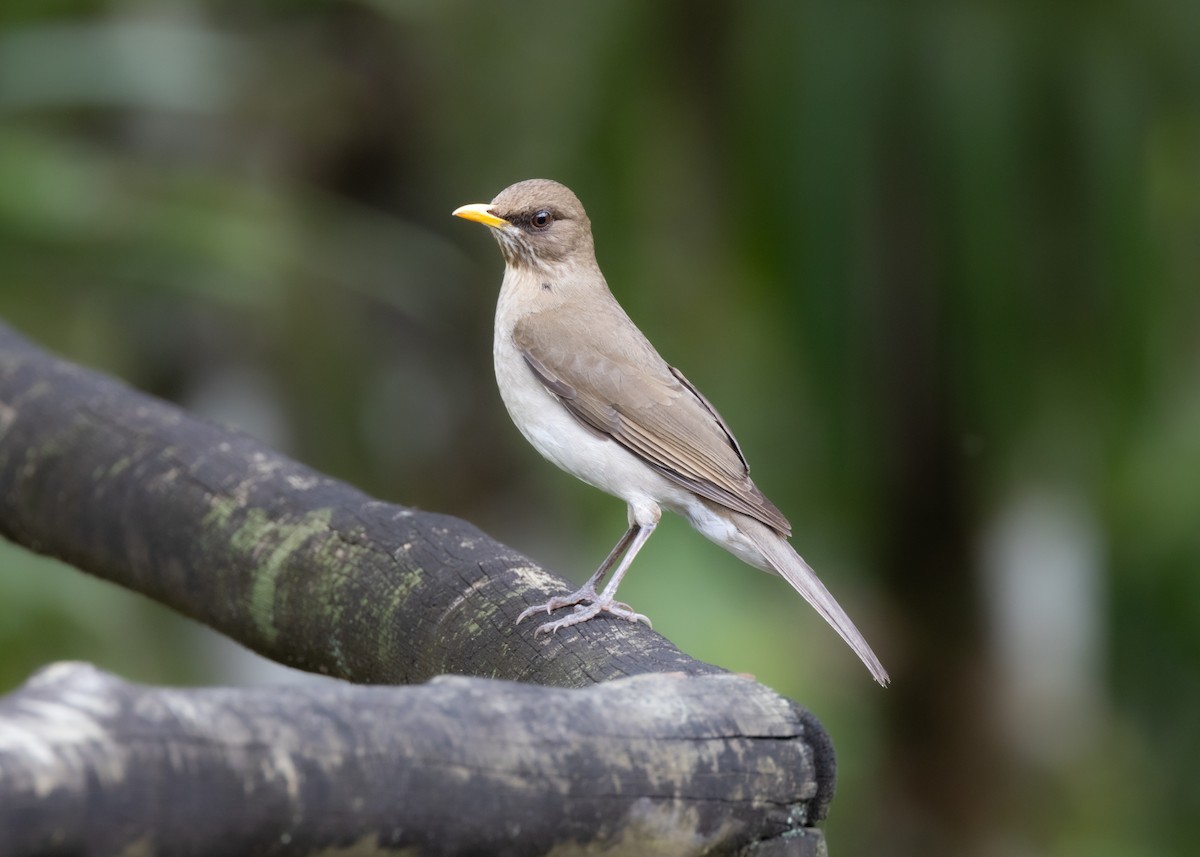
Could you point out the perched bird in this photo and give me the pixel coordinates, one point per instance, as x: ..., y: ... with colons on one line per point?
x: 592, y: 395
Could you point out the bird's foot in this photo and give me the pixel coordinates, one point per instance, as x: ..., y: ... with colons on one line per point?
x: 586, y: 593
x: 588, y: 604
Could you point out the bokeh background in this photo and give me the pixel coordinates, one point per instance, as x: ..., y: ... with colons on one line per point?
x: 938, y: 264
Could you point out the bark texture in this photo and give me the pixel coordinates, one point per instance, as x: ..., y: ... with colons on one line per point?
x: 313, y: 573
x: 297, y: 566
x: 650, y: 765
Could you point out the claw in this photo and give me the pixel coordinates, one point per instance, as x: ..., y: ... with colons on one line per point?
x: 587, y: 605
x: 586, y: 593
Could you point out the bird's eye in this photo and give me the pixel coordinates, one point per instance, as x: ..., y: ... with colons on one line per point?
x: 541, y: 219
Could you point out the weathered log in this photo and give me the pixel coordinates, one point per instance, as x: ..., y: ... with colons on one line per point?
x: 304, y: 569
x: 656, y: 764
x: 313, y: 573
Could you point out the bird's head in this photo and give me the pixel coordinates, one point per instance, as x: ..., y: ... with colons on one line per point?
x: 538, y: 223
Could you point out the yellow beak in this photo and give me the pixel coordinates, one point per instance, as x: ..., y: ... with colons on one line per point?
x: 479, y: 212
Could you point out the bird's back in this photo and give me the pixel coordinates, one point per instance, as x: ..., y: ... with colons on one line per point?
x: 605, y: 371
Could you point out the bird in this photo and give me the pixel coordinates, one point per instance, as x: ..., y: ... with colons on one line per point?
x: 591, y: 394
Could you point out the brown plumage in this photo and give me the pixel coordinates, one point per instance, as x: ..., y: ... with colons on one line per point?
x: 592, y: 395
x: 653, y: 412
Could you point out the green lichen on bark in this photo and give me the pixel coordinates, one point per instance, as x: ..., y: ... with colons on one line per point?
x: 272, y: 545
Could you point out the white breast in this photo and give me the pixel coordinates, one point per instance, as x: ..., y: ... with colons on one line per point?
x: 559, y: 437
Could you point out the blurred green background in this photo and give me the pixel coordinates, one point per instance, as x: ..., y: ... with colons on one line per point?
x: 938, y: 264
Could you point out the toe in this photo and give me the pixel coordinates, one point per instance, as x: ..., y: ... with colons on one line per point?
x: 529, y: 611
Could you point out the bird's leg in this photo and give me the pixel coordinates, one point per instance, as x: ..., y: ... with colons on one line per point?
x: 587, y: 602
x: 618, y: 550
x: 587, y: 592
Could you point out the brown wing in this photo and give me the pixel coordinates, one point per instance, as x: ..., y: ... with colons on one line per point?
x: 654, y: 412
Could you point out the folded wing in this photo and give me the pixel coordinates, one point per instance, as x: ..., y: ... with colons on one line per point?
x: 651, y: 410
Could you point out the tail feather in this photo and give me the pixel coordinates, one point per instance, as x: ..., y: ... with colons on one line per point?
x: 792, y: 568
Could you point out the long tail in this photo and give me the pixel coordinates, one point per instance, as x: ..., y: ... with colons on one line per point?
x: 792, y: 568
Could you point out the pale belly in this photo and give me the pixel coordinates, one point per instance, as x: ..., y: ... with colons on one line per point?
x: 559, y: 437
x: 603, y: 463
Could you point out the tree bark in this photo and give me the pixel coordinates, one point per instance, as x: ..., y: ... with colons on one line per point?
x: 313, y: 573
x: 299, y: 567
x: 655, y: 764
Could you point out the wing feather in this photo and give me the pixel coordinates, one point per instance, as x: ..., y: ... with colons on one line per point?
x: 653, y: 412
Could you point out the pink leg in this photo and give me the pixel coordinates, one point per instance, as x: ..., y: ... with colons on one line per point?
x: 587, y: 602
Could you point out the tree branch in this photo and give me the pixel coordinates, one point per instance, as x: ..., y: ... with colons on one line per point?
x: 297, y: 566
x: 456, y: 766
x: 313, y: 573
